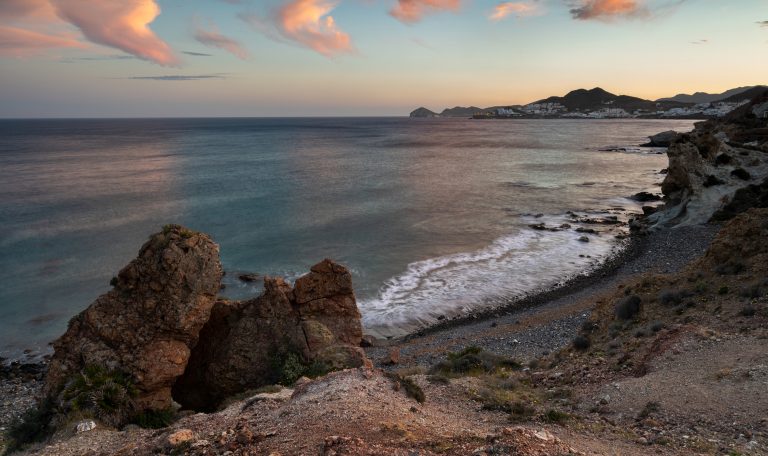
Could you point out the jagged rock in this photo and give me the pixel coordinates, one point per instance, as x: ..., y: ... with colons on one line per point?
x: 247, y: 344
x: 148, y: 323
x: 711, y: 168
x: 663, y: 139
x: 644, y: 197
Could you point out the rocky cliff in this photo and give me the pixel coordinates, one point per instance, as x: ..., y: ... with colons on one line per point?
x: 313, y: 327
x: 718, y: 170
x: 148, y: 323
x: 161, y: 327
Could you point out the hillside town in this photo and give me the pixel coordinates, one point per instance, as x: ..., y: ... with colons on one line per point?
x: 608, y: 111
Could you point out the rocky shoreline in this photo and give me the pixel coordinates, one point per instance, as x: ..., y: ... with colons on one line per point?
x: 605, y: 364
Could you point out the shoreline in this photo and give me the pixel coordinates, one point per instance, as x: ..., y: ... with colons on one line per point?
x: 546, y: 321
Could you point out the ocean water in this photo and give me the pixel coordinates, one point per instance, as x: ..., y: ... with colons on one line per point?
x: 432, y: 216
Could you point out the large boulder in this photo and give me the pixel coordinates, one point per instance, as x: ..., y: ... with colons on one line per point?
x: 663, y: 139
x: 147, y: 324
x: 284, y: 333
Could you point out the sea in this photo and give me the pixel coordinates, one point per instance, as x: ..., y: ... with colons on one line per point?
x: 432, y: 216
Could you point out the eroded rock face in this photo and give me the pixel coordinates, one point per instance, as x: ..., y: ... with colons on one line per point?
x: 710, y: 167
x: 148, y: 323
x: 246, y: 344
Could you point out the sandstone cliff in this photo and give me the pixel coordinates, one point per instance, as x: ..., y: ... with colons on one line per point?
x: 148, y: 323
x: 285, y: 332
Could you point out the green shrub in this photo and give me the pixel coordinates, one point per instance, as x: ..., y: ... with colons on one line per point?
x: 34, y: 426
x: 628, y: 307
x: 581, y: 342
x: 412, y: 389
x: 154, y: 419
x: 105, y: 395
x: 473, y: 361
x: 555, y: 417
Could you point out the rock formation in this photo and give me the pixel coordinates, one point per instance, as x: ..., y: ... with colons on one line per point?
x: 285, y: 331
x: 663, y: 139
x: 714, y: 167
x: 148, y: 323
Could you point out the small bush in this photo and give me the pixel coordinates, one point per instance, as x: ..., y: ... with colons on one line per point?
x: 520, y: 410
x: 34, y: 426
x: 581, y: 342
x: 730, y: 267
x: 555, y: 417
x: 439, y: 379
x: 627, y: 308
x: 723, y: 290
x: 752, y: 291
x: 649, y: 409
x: 412, y: 389
x: 98, y: 392
x: 656, y: 326
x: 154, y: 419
x: 473, y: 361
x: 589, y: 326
x: 113, y: 282
x: 748, y: 311
x: 670, y: 297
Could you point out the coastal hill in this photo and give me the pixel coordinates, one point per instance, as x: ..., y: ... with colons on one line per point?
x: 703, y: 97
x: 599, y: 103
x: 597, y: 98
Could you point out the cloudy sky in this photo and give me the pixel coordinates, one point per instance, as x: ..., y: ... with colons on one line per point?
x: 125, y: 58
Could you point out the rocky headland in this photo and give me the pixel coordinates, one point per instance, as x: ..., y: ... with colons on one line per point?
x: 664, y: 354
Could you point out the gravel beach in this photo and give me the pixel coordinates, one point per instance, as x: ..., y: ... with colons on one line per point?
x: 545, y: 322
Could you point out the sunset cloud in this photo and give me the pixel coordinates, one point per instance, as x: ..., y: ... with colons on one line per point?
x: 306, y: 22
x: 31, y: 26
x: 410, y: 11
x: 19, y: 42
x: 518, y: 9
x: 213, y: 38
x: 121, y: 24
x: 608, y: 9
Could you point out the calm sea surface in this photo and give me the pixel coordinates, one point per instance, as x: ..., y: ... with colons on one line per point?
x: 430, y: 215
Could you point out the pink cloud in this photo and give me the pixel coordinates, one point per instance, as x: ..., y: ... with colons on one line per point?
x: 19, y: 42
x: 519, y: 9
x: 306, y: 22
x: 121, y: 24
x: 28, y: 10
x: 213, y: 38
x: 608, y: 9
x: 411, y: 11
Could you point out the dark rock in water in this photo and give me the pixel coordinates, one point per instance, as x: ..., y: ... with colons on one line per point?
x: 283, y: 334
x: 249, y: 277
x: 664, y: 171
x: 648, y: 210
x: 741, y: 173
x: 712, y: 181
x: 663, y: 139
x: 583, y: 239
x: 723, y: 159
x: 645, y: 197
x: 585, y: 230
x: 147, y: 325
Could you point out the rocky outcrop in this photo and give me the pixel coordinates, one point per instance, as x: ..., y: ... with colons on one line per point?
x: 663, y: 139
x: 287, y: 331
x: 148, y: 323
x: 423, y: 113
x: 715, y: 169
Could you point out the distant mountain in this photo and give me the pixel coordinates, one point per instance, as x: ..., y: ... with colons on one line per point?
x: 423, y: 113
x: 703, y: 97
x: 745, y: 95
x: 597, y: 98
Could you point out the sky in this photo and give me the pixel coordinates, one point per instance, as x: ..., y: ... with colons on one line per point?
x: 180, y: 58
